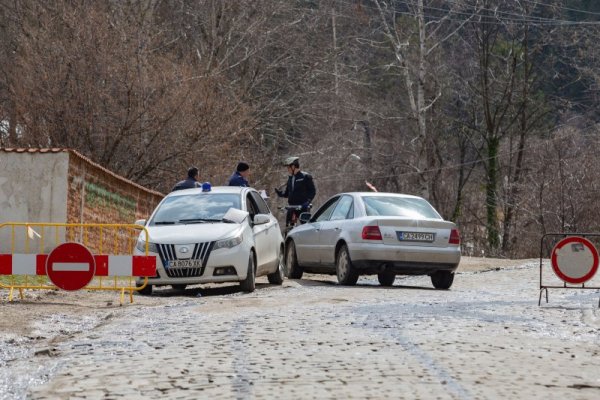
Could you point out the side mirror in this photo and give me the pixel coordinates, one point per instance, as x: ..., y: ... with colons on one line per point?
x: 261, y: 219
x: 304, y: 217
x: 141, y: 222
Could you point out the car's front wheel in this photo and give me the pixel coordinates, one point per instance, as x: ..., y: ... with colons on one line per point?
x: 442, y: 279
x: 248, y: 285
x: 346, y: 273
x: 386, y: 278
x: 294, y: 271
x: 276, y: 278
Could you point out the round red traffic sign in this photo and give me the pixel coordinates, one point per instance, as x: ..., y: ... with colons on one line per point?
x: 574, y: 259
x: 70, y: 266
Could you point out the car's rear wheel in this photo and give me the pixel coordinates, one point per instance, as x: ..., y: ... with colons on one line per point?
x: 180, y: 287
x: 442, y: 279
x: 294, y: 271
x: 248, y: 285
x: 346, y: 273
x: 276, y: 278
x: 146, y: 291
x: 386, y: 278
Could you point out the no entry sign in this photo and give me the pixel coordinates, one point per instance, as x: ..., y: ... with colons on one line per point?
x: 574, y: 259
x: 70, y: 266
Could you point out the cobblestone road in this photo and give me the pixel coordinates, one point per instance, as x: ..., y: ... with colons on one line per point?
x: 485, y: 338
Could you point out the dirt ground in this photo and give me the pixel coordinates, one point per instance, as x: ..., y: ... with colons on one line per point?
x: 32, y: 316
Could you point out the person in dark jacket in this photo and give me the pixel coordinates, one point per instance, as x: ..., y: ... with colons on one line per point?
x: 240, y: 176
x: 300, y: 189
x: 191, y: 181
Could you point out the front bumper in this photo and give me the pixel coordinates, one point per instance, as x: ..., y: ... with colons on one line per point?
x: 236, y: 257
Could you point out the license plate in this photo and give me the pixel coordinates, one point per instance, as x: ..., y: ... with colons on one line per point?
x: 185, y: 264
x: 415, y: 236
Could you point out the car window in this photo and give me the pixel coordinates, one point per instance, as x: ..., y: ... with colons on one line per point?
x: 263, y: 208
x: 251, y: 206
x: 342, y: 209
x: 178, y: 209
x: 396, y: 206
x: 325, y: 211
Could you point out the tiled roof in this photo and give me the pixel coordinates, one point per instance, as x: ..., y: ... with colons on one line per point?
x: 81, y: 156
x: 27, y: 150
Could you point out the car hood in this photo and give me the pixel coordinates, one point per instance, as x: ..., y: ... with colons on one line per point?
x: 192, y: 233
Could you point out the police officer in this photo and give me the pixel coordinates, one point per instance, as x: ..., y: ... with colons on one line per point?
x: 190, y: 182
x: 240, y: 176
x: 300, y: 189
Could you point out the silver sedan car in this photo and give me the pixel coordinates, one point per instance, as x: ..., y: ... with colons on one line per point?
x: 387, y: 234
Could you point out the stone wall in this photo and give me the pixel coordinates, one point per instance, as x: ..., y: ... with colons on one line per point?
x: 33, y: 188
x: 62, y: 186
x: 98, y: 196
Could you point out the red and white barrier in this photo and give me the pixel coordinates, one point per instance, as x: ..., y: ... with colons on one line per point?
x: 106, y: 265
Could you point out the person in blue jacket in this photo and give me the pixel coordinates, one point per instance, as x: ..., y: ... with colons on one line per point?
x: 190, y: 182
x: 240, y: 176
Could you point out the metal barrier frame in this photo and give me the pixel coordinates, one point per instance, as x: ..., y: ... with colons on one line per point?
x: 84, y: 233
x: 564, y: 286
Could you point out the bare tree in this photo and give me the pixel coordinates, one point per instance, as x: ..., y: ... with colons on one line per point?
x: 430, y: 33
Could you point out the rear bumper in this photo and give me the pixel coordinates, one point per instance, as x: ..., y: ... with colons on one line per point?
x: 404, y: 260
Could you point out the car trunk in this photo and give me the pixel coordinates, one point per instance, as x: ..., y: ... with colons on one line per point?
x: 411, y: 232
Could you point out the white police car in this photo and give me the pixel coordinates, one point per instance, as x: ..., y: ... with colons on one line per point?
x: 226, y: 234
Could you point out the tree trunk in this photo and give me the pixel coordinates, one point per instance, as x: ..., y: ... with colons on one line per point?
x: 513, y: 191
x: 421, y: 111
x: 491, y: 194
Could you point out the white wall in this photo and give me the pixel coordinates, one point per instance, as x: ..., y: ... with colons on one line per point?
x: 33, y: 188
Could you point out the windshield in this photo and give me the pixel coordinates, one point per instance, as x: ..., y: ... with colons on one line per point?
x: 394, y: 206
x: 195, y: 208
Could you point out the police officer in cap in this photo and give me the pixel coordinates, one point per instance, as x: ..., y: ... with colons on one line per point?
x: 300, y: 189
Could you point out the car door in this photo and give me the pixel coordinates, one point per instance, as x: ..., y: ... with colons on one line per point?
x: 306, y: 238
x: 272, y: 232
x: 260, y: 232
x: 332, y: 229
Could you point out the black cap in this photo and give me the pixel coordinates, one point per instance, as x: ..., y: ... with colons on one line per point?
x: 242, y: 166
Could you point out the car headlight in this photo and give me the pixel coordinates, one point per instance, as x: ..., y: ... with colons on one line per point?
x: 228, y: 243
x: 141, y: 246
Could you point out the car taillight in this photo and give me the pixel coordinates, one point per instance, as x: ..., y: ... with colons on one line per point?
x: 454, y: 237
x: 371, y: 233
